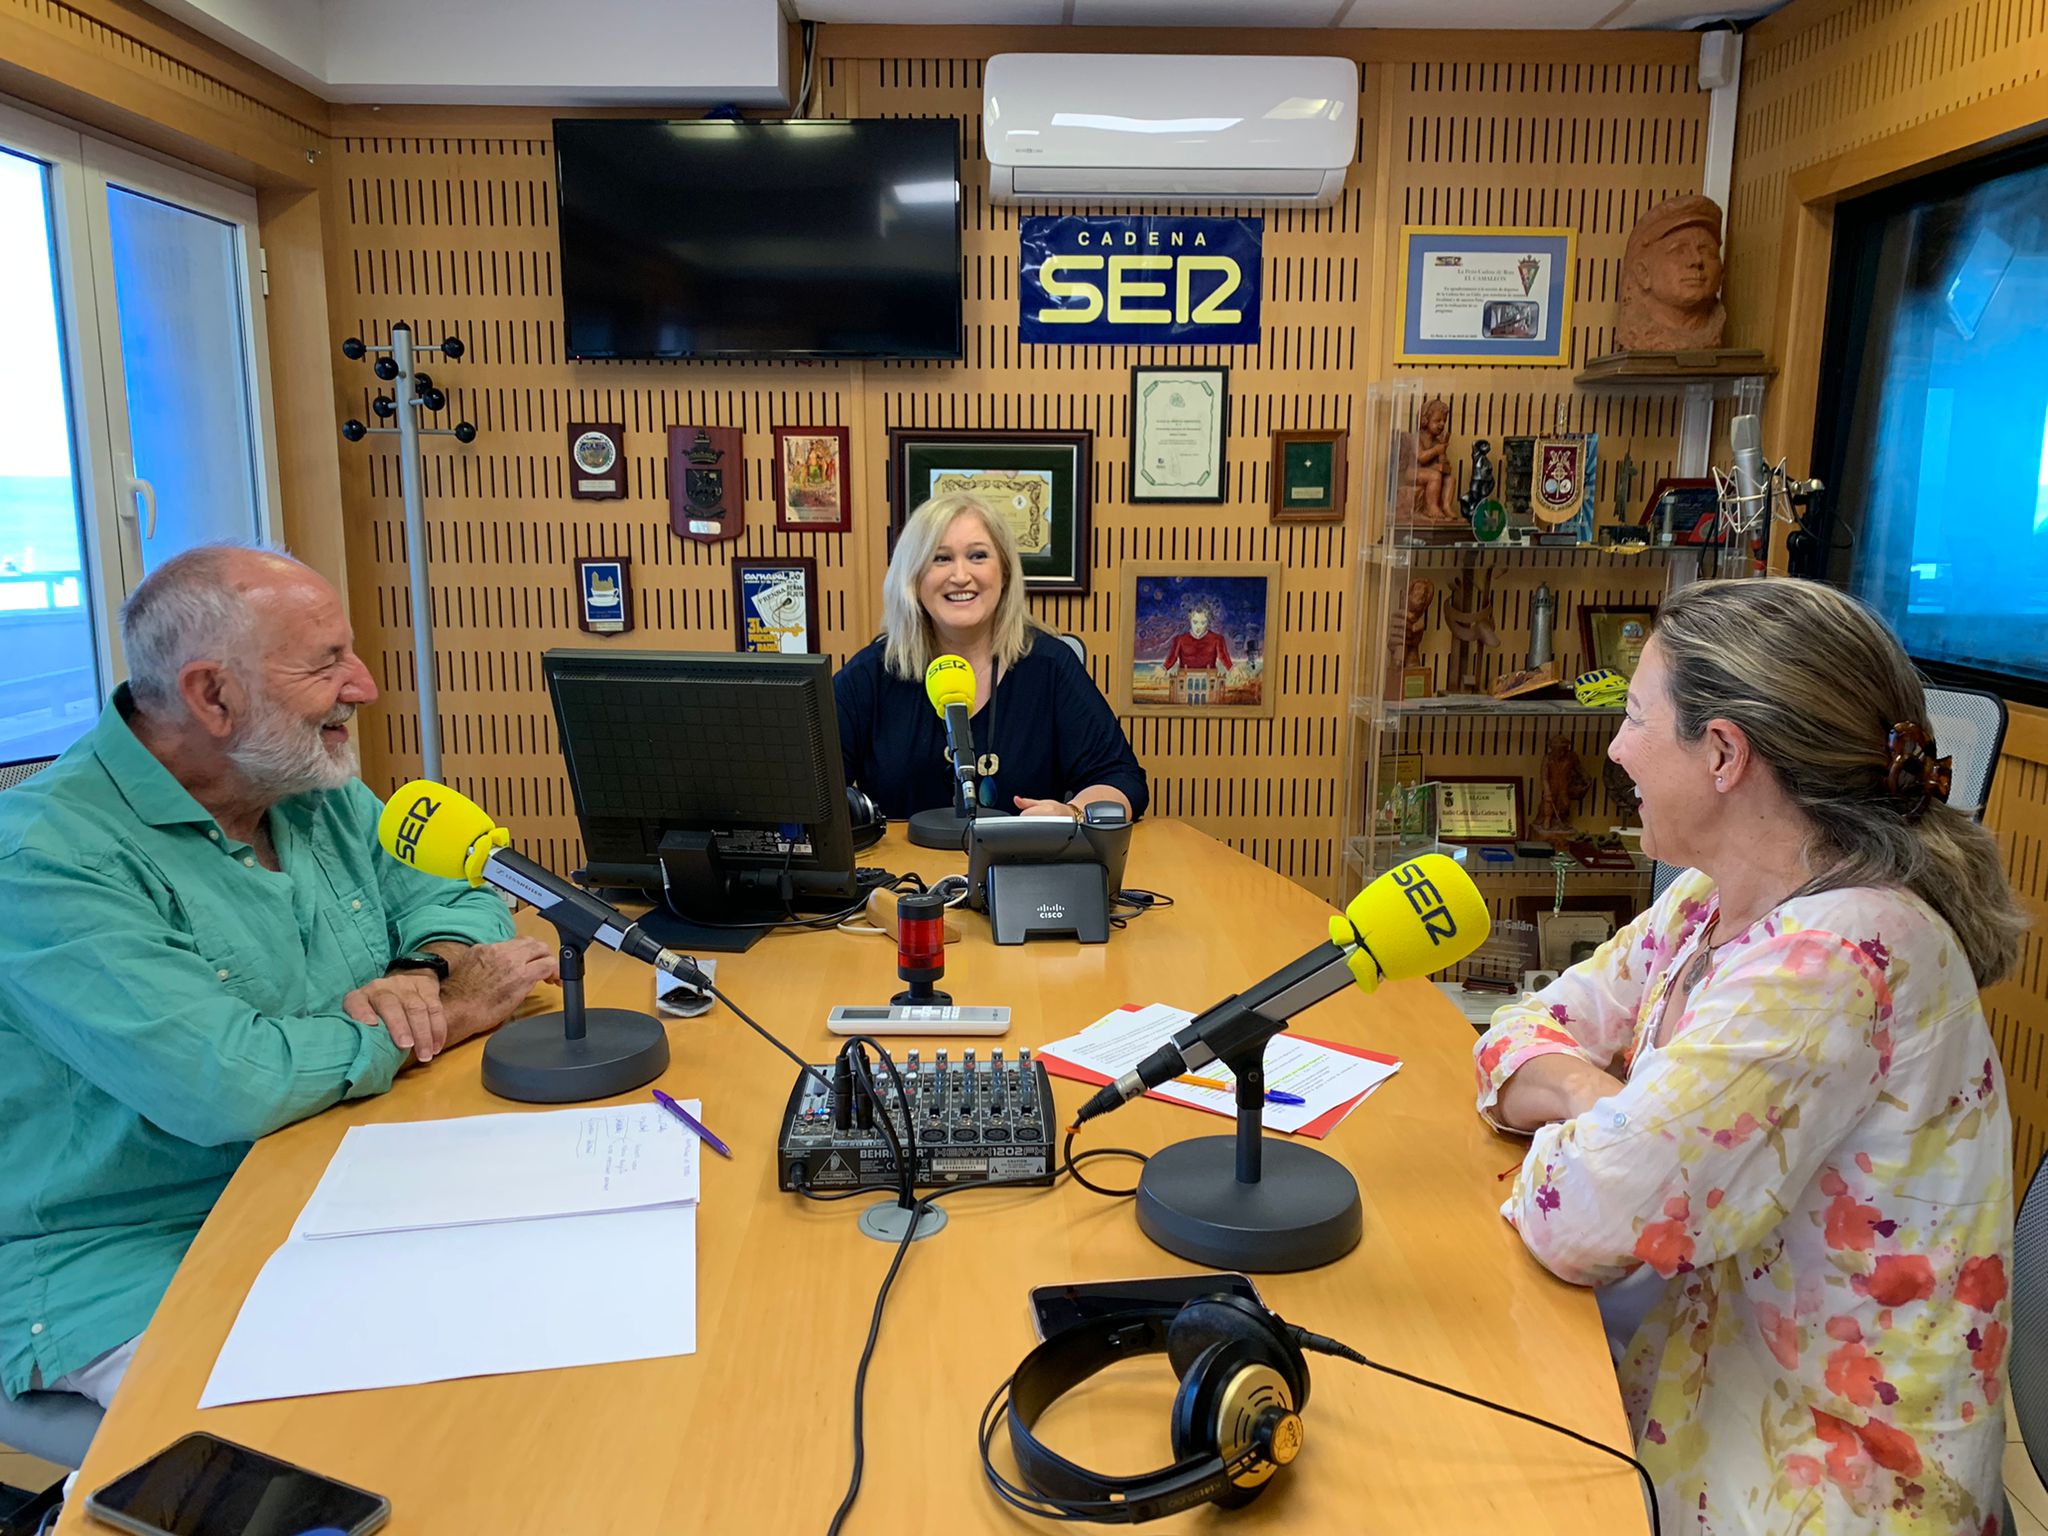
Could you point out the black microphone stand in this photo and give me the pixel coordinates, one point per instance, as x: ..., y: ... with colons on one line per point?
x: 574, y: 1054
x: 1210, y: 1200
x: 948, y: 827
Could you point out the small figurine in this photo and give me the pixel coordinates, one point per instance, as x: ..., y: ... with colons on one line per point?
x: 1671, y: 279
x: 1480, y: 491
x: 1405, y: 640
x: 1621, y: 789
x: 1542, y: 615
x: 1469, y: 611
x: 1432, y: 474
x: 1625, y: 475
x: 1564, y: 785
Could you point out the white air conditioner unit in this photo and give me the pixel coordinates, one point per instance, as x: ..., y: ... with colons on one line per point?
x: 1168, y: 128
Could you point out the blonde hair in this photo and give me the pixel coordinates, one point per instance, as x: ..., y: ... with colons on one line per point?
x: 909, y: 638
x: 1816, y: 681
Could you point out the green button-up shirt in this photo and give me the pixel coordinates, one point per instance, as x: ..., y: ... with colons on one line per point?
x: 164, y: 1001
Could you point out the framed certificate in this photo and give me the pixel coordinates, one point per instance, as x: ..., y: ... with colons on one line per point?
x: 1497, y: 295
x: 1470, y: 810
x: 1180, y: 426
x: 1037, y: 482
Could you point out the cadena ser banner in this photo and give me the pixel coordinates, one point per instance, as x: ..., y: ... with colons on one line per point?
x: 1140, y: 281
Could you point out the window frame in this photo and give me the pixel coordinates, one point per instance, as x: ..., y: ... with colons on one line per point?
x: 1845, y: 337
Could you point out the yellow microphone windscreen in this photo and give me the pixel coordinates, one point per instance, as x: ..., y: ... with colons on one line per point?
x: 1420, y: 916
x: 432, y: 828
x: 949, y: 680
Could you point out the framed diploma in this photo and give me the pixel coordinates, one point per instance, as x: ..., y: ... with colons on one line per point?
x: 1485, y: 295
x: 1180, y: 426
x: 775, y: 605
x: 1037, y: 482
x: 1478, y: 810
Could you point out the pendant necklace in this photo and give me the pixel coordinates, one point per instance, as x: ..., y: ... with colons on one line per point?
x: 988, y: 764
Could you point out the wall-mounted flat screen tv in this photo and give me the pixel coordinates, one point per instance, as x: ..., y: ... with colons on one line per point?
x: 718, y: 238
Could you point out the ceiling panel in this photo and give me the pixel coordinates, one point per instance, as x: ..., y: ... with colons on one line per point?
x: 1548, y: 15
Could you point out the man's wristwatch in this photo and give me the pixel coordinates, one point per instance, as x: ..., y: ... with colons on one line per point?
x: 419, y: 961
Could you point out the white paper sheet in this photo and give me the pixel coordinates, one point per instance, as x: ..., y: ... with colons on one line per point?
x: 393, y: 1309
x: 514, y: 1167
x: 1324, y: 1078
x: 477, y: 1247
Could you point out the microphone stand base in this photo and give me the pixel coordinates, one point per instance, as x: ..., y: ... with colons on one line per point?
x: 1304, y: 1211
x: 942, y: 827
x: 532, y: 1060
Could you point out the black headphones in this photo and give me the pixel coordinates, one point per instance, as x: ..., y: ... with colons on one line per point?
x: 1236, y: 1418
x: 868, y: 821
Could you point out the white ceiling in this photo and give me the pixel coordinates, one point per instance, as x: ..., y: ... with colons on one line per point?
x: 1558, y: 15
x: 684, y: 52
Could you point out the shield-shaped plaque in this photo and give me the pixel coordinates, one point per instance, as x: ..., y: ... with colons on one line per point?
x: 1559, y: 483
x: 705, y: 477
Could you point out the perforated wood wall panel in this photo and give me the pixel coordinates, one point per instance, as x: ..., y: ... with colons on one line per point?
x: 1837, y: 94
x: 2018, y: 1008
x: 1822, y: 77
x: 456, y: 234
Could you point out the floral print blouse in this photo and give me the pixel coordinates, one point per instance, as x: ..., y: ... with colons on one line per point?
x: 1818, y: 1161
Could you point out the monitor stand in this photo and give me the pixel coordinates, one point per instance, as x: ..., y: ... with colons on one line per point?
x: 672, y: 931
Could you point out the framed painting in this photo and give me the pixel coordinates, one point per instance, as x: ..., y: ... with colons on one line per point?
x: 1037, y: 482
x: 775, y: 606
x: 810, y: 480
x: 1198, y: 640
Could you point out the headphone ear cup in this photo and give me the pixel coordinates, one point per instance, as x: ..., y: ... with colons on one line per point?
x: 1198, y: 1405
x: 1225, y: 1318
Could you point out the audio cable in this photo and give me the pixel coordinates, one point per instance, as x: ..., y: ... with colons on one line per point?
x: 905, y: 1191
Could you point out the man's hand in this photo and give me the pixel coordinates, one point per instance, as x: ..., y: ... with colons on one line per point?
x: 409, y: 1006
x: 487, y: 981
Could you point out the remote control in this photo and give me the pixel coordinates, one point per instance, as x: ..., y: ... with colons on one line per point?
x: 918, y: 1019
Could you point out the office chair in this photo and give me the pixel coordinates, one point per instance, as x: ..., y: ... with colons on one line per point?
x: 2027, y: 1361
x: 1969, y: 727
x: 1078, y: 647
x: 21, y: 770
x: 53, y: 1426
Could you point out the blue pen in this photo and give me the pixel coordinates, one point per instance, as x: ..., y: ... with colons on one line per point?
x: 1276, y: 1096
x: 703, y: 1131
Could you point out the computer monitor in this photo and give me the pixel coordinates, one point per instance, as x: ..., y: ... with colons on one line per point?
x: 710, y: 781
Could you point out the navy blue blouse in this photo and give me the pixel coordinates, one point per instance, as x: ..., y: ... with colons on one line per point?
x: 1048, y: 724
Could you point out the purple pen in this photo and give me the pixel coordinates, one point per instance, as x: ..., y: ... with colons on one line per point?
x: 703, y: 1131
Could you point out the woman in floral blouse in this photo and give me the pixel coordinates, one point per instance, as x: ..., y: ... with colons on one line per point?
x: 1775, y: 1089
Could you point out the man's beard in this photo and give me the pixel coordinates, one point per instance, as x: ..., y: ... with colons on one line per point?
x: 283, y: 755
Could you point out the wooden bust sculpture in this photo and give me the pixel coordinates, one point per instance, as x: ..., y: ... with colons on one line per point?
x: 1671, y: 279
x: 1433, y: 463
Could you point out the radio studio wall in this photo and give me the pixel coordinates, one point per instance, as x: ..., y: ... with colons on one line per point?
x: 447, y: 218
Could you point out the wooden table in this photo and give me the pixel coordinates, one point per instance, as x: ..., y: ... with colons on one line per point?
x: 752, y: 1433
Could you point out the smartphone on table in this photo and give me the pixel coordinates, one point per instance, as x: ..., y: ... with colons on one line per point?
x: 1056, y: 1307
x: 206, y: 1486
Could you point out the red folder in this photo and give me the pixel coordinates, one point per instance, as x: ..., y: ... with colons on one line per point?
x: 1319, y: 1127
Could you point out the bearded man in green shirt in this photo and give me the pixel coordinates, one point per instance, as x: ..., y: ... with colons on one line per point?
x: 201, y: 943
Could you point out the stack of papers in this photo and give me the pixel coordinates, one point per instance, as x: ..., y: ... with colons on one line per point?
x: 475, y: 1247
x: 1330, y: 1079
